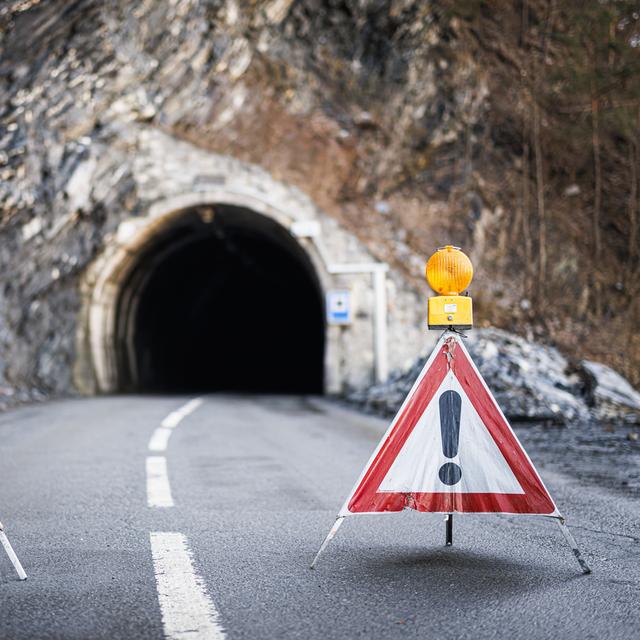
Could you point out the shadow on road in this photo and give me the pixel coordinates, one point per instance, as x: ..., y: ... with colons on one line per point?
x: 471, y: 573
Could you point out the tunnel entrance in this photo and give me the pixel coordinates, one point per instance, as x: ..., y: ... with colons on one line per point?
x: 223, y: 299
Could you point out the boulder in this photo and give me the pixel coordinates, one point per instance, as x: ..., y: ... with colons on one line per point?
x: 531, y: 382
x: 610, y: 396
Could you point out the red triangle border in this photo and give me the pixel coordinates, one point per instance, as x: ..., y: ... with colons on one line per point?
x: 452, y: 356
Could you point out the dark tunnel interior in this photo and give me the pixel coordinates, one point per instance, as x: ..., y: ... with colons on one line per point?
x: 223, y: 300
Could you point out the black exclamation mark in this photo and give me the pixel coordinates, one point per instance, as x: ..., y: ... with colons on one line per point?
x: 450, y: 409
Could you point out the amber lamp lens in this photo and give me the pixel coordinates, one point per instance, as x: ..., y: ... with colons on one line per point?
x: 449, y: 271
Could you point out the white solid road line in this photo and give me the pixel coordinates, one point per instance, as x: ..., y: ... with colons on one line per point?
x: 176, y: 416
x: 187, y: 611
x: 160, y: 437
x: 158, y: 488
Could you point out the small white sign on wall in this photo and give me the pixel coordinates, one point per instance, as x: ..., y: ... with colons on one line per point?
x: 339, y: 306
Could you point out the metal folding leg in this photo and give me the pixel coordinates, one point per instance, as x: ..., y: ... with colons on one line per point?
x: 12, y: 554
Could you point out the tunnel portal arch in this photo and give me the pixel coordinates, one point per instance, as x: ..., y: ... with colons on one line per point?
x: 116, y: 351
x: 222, y: 298
x: 173, y: 180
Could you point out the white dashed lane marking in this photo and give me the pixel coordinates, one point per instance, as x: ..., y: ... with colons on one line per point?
x: 188, y: 612
x: 160, y: 437
x: 176, y: 416
x: 158, y: 487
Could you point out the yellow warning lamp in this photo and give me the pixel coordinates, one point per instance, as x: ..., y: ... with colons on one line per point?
x: 449, y: 273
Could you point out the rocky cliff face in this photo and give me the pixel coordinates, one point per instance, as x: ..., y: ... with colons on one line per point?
x: 342, y: 99
x: 380, y: 111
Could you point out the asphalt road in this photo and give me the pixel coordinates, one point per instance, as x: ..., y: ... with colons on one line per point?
x: 255, y: 483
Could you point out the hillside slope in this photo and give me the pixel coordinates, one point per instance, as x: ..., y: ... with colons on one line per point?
x: 414, y: 124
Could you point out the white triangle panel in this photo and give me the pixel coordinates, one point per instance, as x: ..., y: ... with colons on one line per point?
x: 416, y: 468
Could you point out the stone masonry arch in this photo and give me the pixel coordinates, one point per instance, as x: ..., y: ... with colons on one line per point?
x: 173, y: 177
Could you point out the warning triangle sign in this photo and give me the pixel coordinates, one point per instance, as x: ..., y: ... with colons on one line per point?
x: 450, y: 449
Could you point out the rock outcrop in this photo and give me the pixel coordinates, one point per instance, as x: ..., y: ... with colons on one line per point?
x: 337, y: 99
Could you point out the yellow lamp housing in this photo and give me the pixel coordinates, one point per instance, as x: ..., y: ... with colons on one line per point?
x: 450, y: 312
x: 449, y: 272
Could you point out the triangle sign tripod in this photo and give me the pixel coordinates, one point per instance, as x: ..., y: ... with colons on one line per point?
x: 450, y: 449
